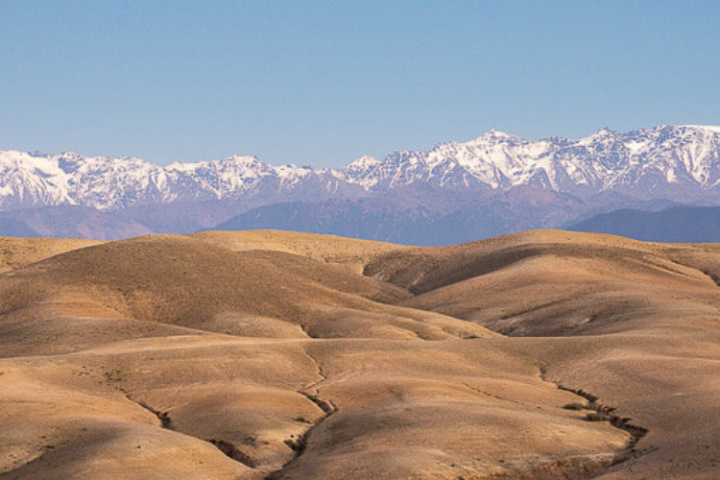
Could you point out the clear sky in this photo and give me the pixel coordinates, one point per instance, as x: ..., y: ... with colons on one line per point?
x: 322, y: 83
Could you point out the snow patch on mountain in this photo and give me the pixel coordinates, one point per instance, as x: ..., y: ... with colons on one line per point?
x: 597, y: 163
x: 642, y: 162
x: 710, y: 128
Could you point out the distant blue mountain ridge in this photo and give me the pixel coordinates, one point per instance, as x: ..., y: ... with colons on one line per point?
x: 454, y: 192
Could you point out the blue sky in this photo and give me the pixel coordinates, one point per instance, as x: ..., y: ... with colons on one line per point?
x: 322, y: 83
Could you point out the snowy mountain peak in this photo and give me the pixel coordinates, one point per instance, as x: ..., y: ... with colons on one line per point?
x: 603, y: 161
x: 494, y: 136
x: 237, y: 160
x: 661, y: 162
x: 708, y: 128
x: 605, y: 132
x: 364, y: 162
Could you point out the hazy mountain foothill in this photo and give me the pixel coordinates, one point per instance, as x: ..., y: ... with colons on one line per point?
x: 454, y: 192
x: 678, y: 224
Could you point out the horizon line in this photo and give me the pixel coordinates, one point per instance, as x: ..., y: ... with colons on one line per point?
x: 39, y: 153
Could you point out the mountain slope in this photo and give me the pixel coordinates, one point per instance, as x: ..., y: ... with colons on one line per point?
x: 468, y: 181
x: 69, y: 221
x: 103, y: 183
x: 658, y: 158
x: 677, y: 224
x: 416, y: 215
x: 637, y: 162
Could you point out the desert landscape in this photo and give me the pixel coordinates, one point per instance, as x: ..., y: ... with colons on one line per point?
x: 280, y: 355
x: 322, y: 240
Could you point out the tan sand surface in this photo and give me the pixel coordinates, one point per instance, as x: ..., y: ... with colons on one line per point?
x: 251, y: 355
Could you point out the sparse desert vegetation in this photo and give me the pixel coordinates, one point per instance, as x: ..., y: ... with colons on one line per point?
x: 252, y: 355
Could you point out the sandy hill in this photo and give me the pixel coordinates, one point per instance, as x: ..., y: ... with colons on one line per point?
x: 249, y: 355
x: 18, y: 252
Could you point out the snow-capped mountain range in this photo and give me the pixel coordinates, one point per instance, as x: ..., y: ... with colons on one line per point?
x: 670, y: 163
x: 603, y: 161
x: 607, y: 160
x: 104, y: 183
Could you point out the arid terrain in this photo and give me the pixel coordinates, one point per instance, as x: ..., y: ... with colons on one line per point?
x: 278, y: 355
